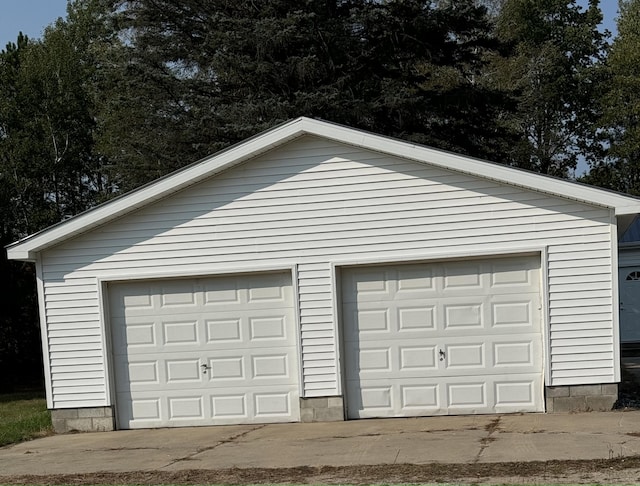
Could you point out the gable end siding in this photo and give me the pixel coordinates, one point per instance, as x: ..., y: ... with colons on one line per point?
x: 313, y: 203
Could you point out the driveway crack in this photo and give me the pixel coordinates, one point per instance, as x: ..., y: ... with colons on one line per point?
x: 200, y: 450
x: 491, y: 428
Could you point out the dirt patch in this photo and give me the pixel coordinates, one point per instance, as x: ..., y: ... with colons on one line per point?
x: 611, y: 471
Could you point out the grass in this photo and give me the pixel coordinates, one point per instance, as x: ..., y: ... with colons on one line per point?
x: 23, y: 416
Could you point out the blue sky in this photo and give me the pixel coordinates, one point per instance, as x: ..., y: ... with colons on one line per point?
x: 32, y: 16
x: 28, y: 16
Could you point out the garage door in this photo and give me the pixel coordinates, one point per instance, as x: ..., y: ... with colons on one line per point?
x: 204, y: 351
x: 459, y: 337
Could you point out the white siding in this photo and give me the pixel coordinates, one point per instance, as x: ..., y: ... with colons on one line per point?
x: 312, y: 203
x: 318, y: 331
x: 75, y: 342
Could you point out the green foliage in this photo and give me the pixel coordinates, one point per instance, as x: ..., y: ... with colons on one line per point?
x: 553, y: 70
x: 48, y: 171
x: 196, y: 76
x: 620, y: 169
x: 24, y: 416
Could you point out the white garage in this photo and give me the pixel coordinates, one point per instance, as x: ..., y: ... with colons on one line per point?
x: 205, y: 351
x: 317, y: 272
x: 455, y: 337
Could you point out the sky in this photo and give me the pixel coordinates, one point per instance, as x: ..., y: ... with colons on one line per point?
x: 28, y: 16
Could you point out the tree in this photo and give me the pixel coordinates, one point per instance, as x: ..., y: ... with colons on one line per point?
x: 620, y: 168
x: 48, y: 171
x: 194, y: 77
x: 553, y: 71
x: 20, y: 356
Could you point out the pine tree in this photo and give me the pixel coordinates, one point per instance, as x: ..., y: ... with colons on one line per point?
x: 197, y: 76
x: 620, y: 168
x: 553, y: 71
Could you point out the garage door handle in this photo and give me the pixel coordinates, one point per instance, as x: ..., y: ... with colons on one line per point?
x: 205, y: 368
x: 442, y: 355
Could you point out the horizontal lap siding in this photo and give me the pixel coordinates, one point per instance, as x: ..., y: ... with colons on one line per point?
x: 312, y: 203
x: 317, y: 329
x: 74, y: 336
x: 580, y: 297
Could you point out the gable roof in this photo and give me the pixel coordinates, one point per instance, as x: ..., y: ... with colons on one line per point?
x: 27, y: 248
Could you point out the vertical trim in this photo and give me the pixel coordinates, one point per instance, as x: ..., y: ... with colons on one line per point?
x: 545, y: 314
x: 295, y: 288
x: 336, y: 311
x: 615, y: 304
x: 44, y: 335
x: 105, y: 334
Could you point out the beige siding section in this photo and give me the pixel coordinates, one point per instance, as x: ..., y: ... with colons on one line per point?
x: 313, y: 203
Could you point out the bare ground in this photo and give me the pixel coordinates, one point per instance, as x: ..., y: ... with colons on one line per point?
x: 610, y: 471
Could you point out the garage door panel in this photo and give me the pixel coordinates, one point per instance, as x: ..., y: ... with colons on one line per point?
x: 459, y: 314
x: 460, y: 395
x: 138, y: 374
x: 508, y: 272
x: 180, y: 332
x: 205, y: 351
x: 413, y: 283
x: 235, y: 366
x: 186, y: 409
x: 473, y: 345
x: 466, y: 276
x: 143, y: 336
x: 416, y: 317
x: 468, y: 356
x: 419, y: 359
x: 271, y: 367
x: 376, y: 398
x: 224, y: 330
x: 375, y: 284
x: 419, y: 398
x: 177, y: 294
x: 370, y: 284
x: 375, y: 360
x: 515, y: 313
x: 468, y: 396
x: 183, y: 371
x: 509, y: 394
x: 461, y: 356
x: 231, y: 406
x: 513, y: 355
x: 141, y: 333
x: 462, y: 314
x: 127, y: 299
x: 374, y: 321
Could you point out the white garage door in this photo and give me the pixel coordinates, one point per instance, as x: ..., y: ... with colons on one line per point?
x: 205, y: 351
x: 444, y: 338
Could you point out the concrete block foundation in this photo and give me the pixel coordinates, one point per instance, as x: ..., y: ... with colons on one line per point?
x: 322, y: 409
x: 92, y: 419
x: 581, y: 398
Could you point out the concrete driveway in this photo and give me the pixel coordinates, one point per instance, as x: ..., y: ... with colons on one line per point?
x: 468, y: 439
